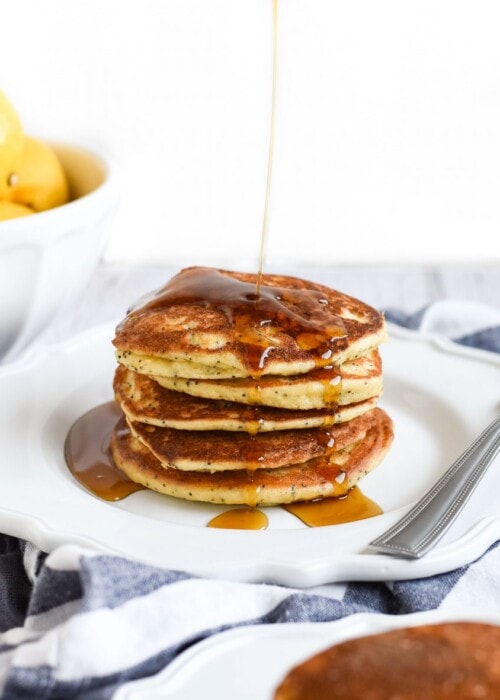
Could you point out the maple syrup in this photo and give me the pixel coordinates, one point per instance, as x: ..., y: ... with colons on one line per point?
x: 319, y: 513
x: 251, y: 488
x: 240, y: 519
x: 88, y: 458
x: 301, y: 313
x: 331, y: 382
x: 334, y: 511
x: 263, y: 235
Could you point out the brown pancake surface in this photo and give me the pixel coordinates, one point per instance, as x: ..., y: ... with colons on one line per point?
x: 217, y: 450
x: 204, y: 327
x: 317, y: 478
x: 452, y: 661
x: 145, y: 400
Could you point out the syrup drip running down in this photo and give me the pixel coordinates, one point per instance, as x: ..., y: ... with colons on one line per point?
x: 252, y: 488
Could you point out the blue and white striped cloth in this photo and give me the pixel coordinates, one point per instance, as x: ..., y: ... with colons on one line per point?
x: 77, y: 624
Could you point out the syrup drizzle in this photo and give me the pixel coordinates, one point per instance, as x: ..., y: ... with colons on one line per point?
x: 240, y: 519
x: 334, y: 511
x: 303, y: 314
x: 88, y: 458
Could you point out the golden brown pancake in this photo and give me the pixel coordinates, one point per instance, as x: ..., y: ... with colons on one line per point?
x: 241, y: 395
x: 354, y: 381
x: 211, y: 318
x: 453, y: 661
x: 143, y: 399
x: 217, y: 450
x: 316, y: 478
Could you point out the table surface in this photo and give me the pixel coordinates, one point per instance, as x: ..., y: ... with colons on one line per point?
x: 113, y: 288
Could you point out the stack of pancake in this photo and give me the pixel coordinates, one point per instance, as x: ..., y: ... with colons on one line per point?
x: 244, y: 390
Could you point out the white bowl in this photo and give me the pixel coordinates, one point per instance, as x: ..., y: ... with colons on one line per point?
x: 46, y: 259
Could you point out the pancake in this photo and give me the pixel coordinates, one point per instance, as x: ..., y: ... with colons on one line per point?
x: 449, y: 661
x: 242, y: 395
x: 223, y: 451
x: 316, y: 478
x: 144, y: 400
x: 213, y: 321
x: 361, y: 379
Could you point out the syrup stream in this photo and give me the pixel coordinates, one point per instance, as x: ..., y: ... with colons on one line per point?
x: 265, y: 217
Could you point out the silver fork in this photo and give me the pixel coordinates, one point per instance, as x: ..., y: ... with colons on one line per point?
x: 419, y: 530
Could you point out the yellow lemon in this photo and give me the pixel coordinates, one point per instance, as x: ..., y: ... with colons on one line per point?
x: 11, y: 142
x: 10, y: 210
x: 39, y: 181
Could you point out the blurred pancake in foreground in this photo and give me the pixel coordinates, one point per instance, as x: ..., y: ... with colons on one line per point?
x: 449, y: 661
x: 330, y: 475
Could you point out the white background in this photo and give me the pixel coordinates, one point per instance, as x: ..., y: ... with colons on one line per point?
x: 388, y: 122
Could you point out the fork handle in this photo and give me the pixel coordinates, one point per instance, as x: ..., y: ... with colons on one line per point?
x: 417, y: 532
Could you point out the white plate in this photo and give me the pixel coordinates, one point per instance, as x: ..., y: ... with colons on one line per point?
x: 250, y: 662
x: 439, y: 395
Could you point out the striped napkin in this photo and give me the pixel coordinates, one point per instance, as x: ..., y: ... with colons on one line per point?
x: 78, y: 624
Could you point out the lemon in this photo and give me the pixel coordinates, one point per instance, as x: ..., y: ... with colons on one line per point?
x: 10, y: 210
x: 11, y: 142
x: 39, y: 181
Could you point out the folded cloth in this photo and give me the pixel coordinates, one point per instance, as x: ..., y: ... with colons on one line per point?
x: 466, y: 322
x: 76, y: 623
